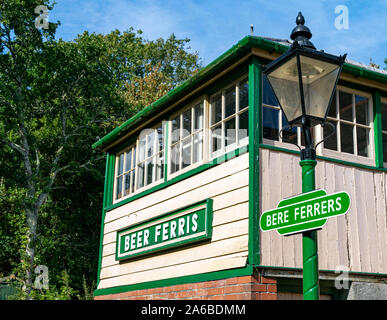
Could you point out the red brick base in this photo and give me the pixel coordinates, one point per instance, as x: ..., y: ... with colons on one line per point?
x: 237, y: 288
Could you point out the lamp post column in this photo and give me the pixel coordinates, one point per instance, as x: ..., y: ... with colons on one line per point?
x: 309, y: 238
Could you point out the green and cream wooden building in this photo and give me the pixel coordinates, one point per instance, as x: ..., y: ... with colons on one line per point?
x: 188, y: 176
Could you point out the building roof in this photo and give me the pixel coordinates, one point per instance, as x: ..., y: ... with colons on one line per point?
x: 236, y: 52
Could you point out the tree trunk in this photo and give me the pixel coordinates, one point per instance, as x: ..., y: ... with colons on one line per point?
x: 32, y: 222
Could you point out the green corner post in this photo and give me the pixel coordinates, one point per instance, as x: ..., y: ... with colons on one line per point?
x: 310, y: 282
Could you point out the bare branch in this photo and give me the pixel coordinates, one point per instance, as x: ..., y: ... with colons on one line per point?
x: 14, y: 146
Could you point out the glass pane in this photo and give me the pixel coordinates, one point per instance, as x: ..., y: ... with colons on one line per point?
x: 140, y: 175
x: 216, y: 138
x: 384, y: 147
x: 160, y: 166
x: 120, y: 167
x: 149, y: 171
x: 128, y: 161
x: 119, y: 187
x: 346, y: 138
x: 230, y: 132
x: 187, y: 122
x: 197, y: 147
x: 175, y: 158
x: 216, y: 109
x: 362, y: 141
x: 230, y: 102
x: 151, y: 144
x: 268, y: 93
x: 332, y: 109
x: 284, y: 81
x: 345, y: 106
x: 361, y: 105
x: 141, y: 147
x: 270, y: 123
x: 198, y: 110
x: 288, y: 135
x: 127, y: 184
x: 384, y: 118
x: 160, y: 135
x: 243, y: 130
x: 319, y: 79
x: 134, y: 157
x: 175, y: 129
x: 243, y: 95
x: 331, y: 142
x: 133, y: 173
x: 186, y: 152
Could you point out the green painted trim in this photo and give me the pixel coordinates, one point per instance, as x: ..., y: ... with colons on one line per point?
x: 225, y: 157
x: 378, y: 129
x: 255, y: 137
x: 216, y: 275
x: 166, y: 148
x: 107, y: 199
x: 348, y: 163
x: 207, y: 236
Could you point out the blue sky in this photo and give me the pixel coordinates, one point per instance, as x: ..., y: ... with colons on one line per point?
x: 214, y: 26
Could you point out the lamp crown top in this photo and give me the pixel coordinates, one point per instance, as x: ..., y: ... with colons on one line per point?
x: 301, y: 34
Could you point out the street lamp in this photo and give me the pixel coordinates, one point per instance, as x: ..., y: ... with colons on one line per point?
x: 304, y: 81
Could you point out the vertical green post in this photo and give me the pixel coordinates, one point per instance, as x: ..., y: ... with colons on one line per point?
x: 310, y: 283
x: 255, y: 98
x: 378, y: 129
x: 106, y: 201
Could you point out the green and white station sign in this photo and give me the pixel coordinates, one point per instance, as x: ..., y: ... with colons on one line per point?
x: 305, y: 212
x: 178, y: 228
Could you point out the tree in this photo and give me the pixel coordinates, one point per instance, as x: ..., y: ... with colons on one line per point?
x: 56, y: 97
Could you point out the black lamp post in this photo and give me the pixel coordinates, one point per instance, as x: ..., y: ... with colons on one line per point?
x: 304, y: 81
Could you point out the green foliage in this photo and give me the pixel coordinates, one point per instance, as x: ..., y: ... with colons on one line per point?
x: 56, y: 98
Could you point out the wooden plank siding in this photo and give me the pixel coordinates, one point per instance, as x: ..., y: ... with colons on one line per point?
x: 227, y: 185
x: 357, y: 240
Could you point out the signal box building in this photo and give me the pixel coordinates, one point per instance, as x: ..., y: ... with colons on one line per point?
x: 188, y: 177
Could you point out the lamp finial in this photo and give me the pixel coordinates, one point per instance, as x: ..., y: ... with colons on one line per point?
x: 301, y: 34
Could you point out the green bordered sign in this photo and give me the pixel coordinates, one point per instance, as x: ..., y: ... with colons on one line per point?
x: 180, y: 227
x: 304, y: 212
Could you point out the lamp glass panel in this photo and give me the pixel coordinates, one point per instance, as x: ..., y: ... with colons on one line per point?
x: 284, y: 81
x: 319, y: 80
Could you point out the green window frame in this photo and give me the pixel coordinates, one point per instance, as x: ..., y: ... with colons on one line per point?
x: 228, y: 118
x: 141, y: 165
x: 383, y: 110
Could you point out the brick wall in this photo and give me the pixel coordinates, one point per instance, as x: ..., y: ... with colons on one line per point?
x: 238, y: 288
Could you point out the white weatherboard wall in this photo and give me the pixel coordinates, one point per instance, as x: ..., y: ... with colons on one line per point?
x: 356, y: 240
x: 227, y: 185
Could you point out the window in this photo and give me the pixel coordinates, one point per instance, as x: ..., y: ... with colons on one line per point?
x: 125, y: 174
x: 350, y: 113
x: 229, y: 116
x: 186, y: 147
x: 135, y: 170
x: 384, y: 129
